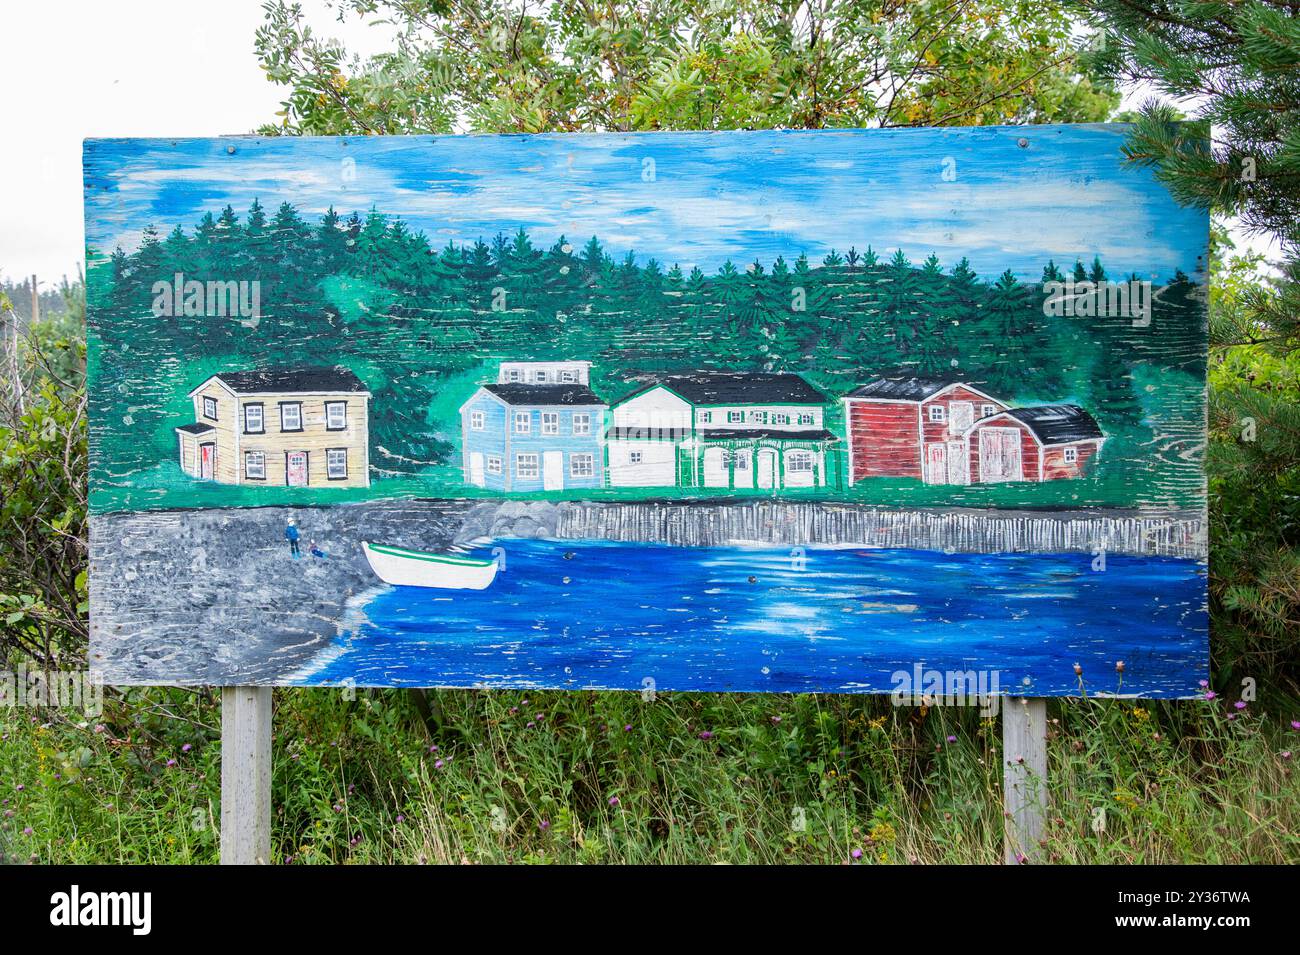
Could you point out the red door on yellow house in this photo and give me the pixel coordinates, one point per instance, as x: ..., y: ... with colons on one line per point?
x: 295, y: 468
x: 207, y: 461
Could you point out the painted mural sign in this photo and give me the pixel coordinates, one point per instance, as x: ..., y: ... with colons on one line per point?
x: 838, y: 411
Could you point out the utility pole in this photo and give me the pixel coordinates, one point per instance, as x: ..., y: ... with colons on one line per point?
x: 36, y: 303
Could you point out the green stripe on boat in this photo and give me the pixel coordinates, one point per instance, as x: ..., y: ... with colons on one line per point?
x: 432, y: 558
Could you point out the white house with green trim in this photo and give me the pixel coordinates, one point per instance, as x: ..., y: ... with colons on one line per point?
x: 722, y: 429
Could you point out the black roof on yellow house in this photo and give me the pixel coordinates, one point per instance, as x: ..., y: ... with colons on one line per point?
x: 291, y: 381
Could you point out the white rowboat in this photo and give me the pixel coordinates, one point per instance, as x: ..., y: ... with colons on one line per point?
x: 413, y: 568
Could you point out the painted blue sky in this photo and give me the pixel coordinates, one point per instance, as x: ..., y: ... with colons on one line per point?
x: 689, y: 198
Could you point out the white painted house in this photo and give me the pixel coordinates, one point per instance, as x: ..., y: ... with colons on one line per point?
x: 722, y: 429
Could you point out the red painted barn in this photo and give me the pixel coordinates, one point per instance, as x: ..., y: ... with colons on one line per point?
x: 913, y: 427
x: 1042, y: 443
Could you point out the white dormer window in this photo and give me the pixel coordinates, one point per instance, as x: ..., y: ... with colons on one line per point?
x: 512, y: 375
x: 706, y: 417
x: 1071, y: 455
x: 568, y: 377
x: 938, y: 413
x: 540, y: 377
x: 735, y: 417
x: 986, y: 410
x: 805, y: 419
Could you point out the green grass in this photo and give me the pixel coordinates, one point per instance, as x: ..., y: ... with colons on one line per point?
x: 608, y: 777
x: 166, y: 486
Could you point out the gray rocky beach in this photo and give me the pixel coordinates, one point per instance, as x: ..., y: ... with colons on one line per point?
x: 214, y: 597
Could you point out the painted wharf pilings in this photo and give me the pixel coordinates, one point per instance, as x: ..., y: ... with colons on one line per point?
x: 698, y: 524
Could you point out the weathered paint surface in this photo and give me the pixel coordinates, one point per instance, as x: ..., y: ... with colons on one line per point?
x: 871, y: 358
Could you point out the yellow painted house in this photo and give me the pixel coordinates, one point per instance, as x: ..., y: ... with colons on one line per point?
x: 292, y: 426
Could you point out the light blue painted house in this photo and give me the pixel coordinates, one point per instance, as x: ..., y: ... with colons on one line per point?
x: 539, y: 427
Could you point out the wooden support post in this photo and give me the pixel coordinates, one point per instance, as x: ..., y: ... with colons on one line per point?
x: 245, y: 775
x: 1024, y: 777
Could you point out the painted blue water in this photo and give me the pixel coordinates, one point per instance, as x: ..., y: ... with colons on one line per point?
x: 606, y: 615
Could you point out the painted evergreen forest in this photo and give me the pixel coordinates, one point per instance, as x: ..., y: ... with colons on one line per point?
x: 421, y: 324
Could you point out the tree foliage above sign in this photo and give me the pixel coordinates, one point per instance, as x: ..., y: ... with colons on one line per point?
x: 498, y: 66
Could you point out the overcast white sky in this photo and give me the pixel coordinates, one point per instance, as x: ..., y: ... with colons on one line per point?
x: 79, y: 68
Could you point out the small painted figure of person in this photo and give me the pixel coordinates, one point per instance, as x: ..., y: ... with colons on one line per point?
x: 291, y: 535
x: 316, y: 551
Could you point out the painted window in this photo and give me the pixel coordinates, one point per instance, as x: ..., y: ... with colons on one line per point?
x: 569, y: 377
x: 255, y: 465
x: 254, y: 422
x: 737, y: 459
x: 291, y: 416
x: 806, y: 419
x: 494, y: 464
x: 1071, y: 455
x: 336, y: 463
x: 581, y: 422
x: 336, y: 416
x: 550, y: 422
x: 512, y: 374
x: 526, y: 465
x: 986, y: 410
x: 540, y: 377
x: 582, y: 465
x: 780, y: 419
x: 634, y: 457
x: 477, y: 420
x: 210, y: 408
x: 735, y: 417
x: 938, y: 412
x: 799, y: 461
x: 706, y: 417
x: 759, y: 417
x: 523, y: 422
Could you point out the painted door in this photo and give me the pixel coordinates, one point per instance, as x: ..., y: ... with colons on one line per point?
x: 295, y: 468
x: 766, y: 468
x: 476, y: 468
x: 1000, y: 455
x: 715, y: 468
x: 553, y: 471
x: 961, y: 415
x: 207, y: 461
x: 958, y: 463
x: 936, y: 463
